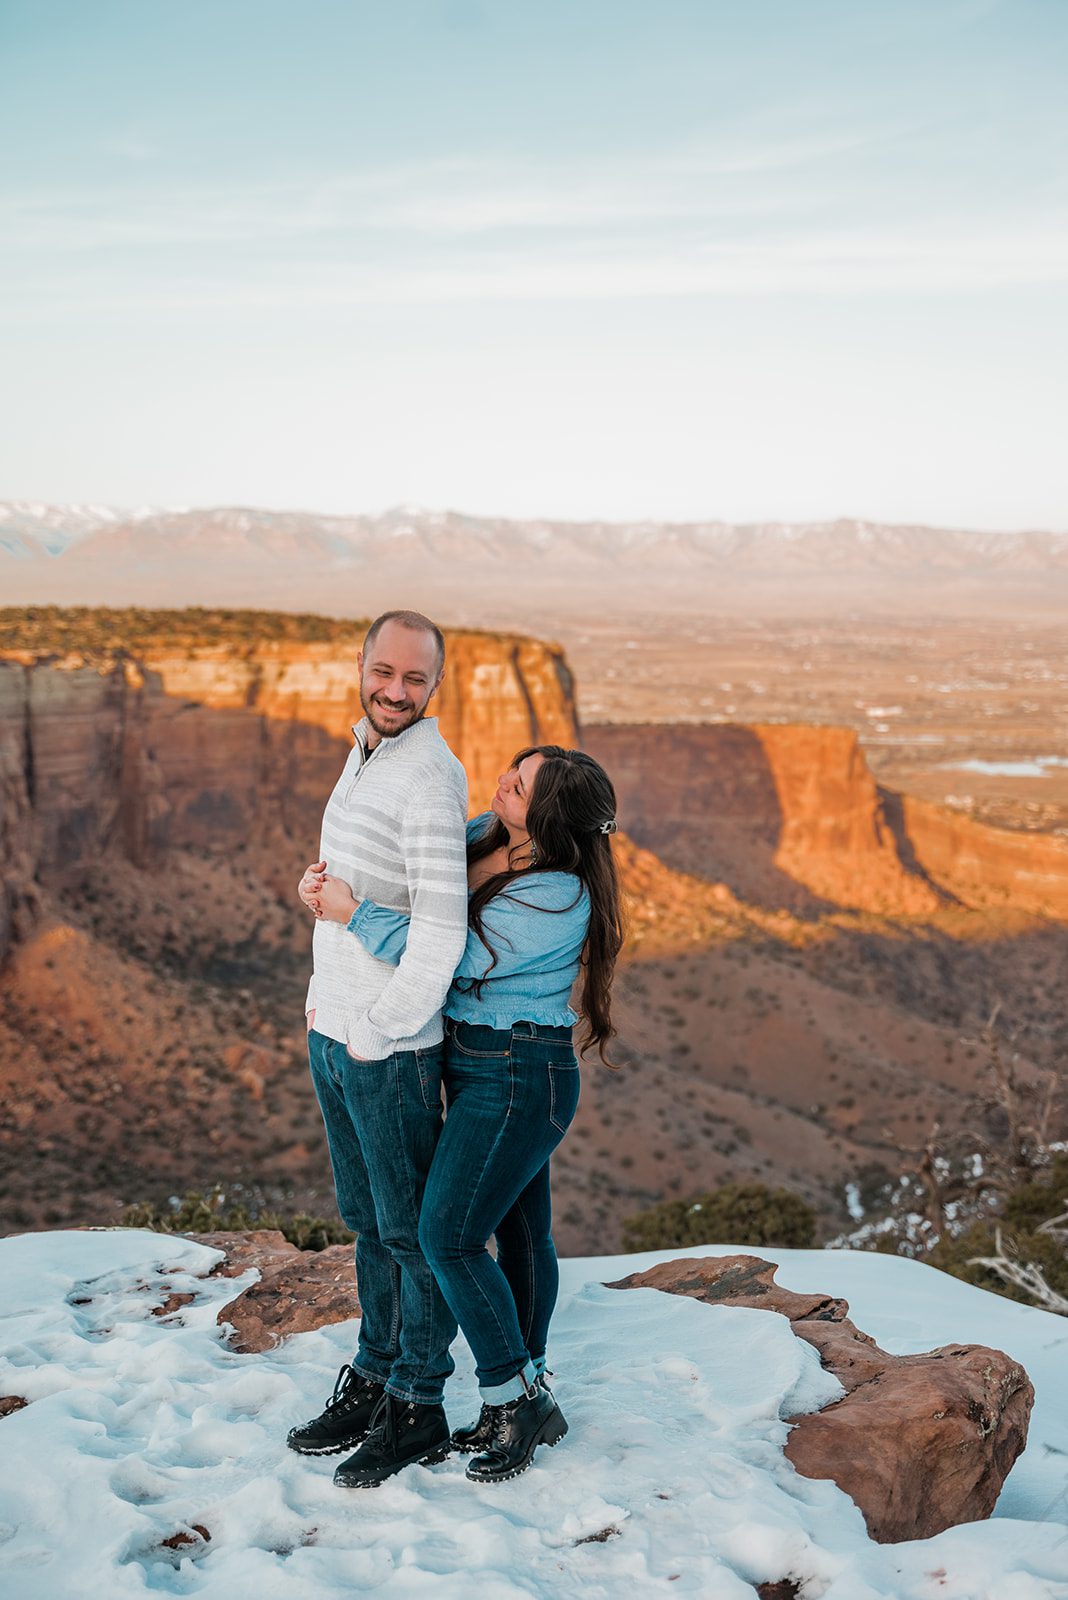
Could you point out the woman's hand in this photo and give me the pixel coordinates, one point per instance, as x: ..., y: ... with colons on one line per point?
x: 333, y: 900
x: 311, y: 882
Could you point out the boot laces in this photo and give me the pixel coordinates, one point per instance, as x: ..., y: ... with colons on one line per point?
x: 500, y: 1416
x: 498, y: 1423
x: 343, y: 1397
x: 387, y: 1426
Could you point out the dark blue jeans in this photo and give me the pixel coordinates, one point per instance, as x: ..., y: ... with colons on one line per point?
x: 383, y: 1122
x: 511, y: 1098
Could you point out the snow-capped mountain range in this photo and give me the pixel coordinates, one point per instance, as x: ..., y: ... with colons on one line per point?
x: 246, y: 556
x: 28, y: 527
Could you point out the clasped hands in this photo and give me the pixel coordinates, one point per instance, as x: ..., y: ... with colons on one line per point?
x: 330, y: 898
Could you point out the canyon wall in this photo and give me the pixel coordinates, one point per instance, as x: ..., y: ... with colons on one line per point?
x: 232, y: 747
x: 218, y: 748
x: 790, y: 815
x: 984, y: 866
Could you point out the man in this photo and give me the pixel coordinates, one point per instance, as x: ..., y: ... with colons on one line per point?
x: 393, y: 830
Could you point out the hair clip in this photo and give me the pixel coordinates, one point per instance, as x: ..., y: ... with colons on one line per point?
x: 610, y: 826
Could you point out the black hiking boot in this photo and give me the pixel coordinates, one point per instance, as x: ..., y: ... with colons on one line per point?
x: 345, y: 1420
x: 518, y: 1428
x: 404, y: 1432
x: 479, y: 1436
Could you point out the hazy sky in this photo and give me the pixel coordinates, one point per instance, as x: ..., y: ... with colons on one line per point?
x: 728, y: 258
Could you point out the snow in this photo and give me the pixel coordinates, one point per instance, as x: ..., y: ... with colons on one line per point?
x: 1038, y: 768
x: 672, y: 1480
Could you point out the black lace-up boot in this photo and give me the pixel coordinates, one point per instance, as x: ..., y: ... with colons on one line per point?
x: 344, y: 1421
x: 518, y: 1428
x: 479, y: 1435
x: 404, y: 1432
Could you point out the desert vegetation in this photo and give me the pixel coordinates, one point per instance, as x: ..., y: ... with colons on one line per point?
x: 738, y: 1213
x: 215, y: 1212
x: 988, y: 1200
x: 120, y: 631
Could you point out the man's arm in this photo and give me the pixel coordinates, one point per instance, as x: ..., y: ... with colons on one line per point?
x: 435, y: 861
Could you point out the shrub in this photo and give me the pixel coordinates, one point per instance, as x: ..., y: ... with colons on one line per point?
x: 736, y: 1213
x: 1021, y: 1216
x: 199, y: 1213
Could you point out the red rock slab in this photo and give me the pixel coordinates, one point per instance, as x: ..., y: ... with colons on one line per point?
x: 738, y: 1280
x: 923, y: 1445
x: 173, y: 1303
x: 920, y: 1443
x: 265, y: 1248
x: 310, y: 1290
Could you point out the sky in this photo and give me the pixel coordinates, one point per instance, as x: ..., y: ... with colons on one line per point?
x: 790, y: 259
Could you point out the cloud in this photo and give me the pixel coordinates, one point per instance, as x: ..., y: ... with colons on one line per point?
x: 696, y: 182
x: 843, y: 263
x: 752, y: 215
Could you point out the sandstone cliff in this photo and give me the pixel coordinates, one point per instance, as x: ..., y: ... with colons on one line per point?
x: 216, y: 746
x: 790, y: 815
x: 988, y: 867
x: 181, y: 743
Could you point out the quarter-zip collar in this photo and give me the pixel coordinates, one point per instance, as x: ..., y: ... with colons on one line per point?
x: 408, y: 736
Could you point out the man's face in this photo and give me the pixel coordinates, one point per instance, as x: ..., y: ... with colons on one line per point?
x: 398, y: 676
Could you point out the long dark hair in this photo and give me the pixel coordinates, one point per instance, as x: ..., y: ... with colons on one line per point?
x: 570, y: 813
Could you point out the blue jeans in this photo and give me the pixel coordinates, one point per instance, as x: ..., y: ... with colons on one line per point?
x: 511, y: 1098
x: 383, y: 1121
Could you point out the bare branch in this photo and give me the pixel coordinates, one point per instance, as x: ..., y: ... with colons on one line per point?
x: 1054, y: 1225
x: 1023, y: 1275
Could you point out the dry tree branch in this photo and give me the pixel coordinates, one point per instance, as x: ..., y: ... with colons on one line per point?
x: 1054, y: 1225
x: 1022, y: 1275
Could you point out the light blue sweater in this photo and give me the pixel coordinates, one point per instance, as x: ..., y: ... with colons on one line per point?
x: 537, y: 928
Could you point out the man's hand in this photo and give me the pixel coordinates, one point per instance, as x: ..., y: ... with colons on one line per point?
x: 311, y: 882
x: 333, y: 900
x: 311, y: 1019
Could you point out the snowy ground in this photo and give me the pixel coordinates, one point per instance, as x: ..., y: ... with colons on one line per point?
x: 671, y: 1482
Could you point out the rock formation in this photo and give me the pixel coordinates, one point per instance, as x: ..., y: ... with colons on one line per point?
x: 920, y: 1443
x: 790, y: 815
x: 297, y: 1290
x: 210, y: 746
x: 988, y: 867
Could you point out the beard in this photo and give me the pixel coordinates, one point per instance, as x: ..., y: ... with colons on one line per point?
x: 386, y: 726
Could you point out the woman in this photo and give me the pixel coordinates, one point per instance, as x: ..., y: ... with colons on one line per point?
x: 544, y: 904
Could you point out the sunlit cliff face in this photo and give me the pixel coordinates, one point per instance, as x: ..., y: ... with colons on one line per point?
x: 207, y: 743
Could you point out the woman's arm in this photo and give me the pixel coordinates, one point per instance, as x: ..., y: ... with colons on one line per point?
x: 540, y: 918
x: 384, y: 933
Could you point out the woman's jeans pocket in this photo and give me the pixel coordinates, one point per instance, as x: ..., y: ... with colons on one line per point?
x: 563, y: 1094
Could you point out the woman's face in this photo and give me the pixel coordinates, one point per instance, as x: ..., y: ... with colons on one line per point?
x: 513, y: 793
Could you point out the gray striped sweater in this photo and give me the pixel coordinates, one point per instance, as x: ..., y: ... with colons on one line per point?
x: 394, y: 830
